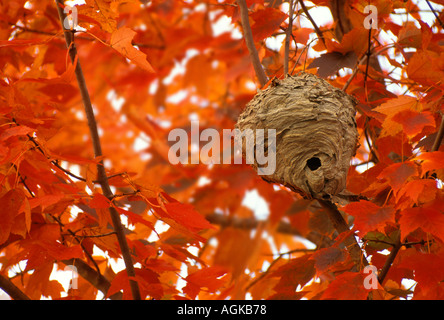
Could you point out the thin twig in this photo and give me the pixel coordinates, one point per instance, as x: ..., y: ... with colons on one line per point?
x: 263, y: 274
x: 315, y: 26
x: 73, y: 234
x: 248, y: 36
x: 53, y: 161
x: 58, y: 35
x: 288, y: 34
x: 369, y: 53
x: 23, y: 181
x: 388, y: 263
x: 439, y: 135
x: 367, y: 139
x: 355, y: 71
x: 436, y: 15
x: 302, y: 52
x: 56, y: 164
x: 101, y: 173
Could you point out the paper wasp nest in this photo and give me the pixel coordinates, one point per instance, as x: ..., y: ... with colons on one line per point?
x: 316, y: 133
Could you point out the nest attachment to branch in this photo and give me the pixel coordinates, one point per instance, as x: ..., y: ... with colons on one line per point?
x: 316, y: 134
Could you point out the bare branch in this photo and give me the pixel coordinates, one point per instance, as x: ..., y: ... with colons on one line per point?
x: 388, y: 263
x: 251, y: 223
x: 101, y: 173
x: 288, y: 35
x: 369, y: 53
x: 248, y: 36
x: 436, y: 15
x: 355, y: 71
x: 341, y: 226
x: 439, y: 136
x: 315, y: 26
x: 93, y: 277
x: 11, y: 289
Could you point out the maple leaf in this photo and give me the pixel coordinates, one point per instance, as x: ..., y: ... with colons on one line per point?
x: 425, y: 68
x: 328, y: 257
x: 181, y: 215
x: 428, y: 219
x: 266, y: 21
x: 15, y: 131
x: 135, y: 218
x: 398, y: 174
x: 346, y: 286
x: 99, y: 201
x: 432, y: 161
x: 45, y: 201
x: 394, y: 106
x: 120, y: 282
x: 418, y: 191
x: 301, y: 35
x: 121, y: 41
x: 210, y: 278
x: 414, y: 122
x: 330, y: 62
x: 10, y: 204
x: 98, y: 12
x: 369, y: 216
x: 427, y: 267
x: 295, y: 272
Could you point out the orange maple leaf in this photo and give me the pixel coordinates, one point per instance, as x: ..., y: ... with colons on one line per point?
x: 121, y: 41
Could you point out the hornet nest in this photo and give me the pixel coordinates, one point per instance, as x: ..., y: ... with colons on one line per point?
x: 316, y: 134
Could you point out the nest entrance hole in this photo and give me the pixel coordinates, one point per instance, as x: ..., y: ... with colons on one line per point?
x: 314, y: 163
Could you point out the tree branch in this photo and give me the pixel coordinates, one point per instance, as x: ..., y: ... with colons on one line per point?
x: 251, y: 223
x: 315, y: 26
x: 248, y: 36
x: 101, y: 173
x: 11, y: 289
x: 355, y: 71
x: 369, y: 53
x: 389, y: 261
x: 93, y: 277
x: 288, y: 34
x: 341, y: 226
x: 436, y: 15
x: 439, y: 135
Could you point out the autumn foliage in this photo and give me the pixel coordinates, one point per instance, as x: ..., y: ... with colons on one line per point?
x: 152, y: 66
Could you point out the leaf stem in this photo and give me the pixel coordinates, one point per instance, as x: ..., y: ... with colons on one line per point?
x: 101, y: 173
x: 248, y: 36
